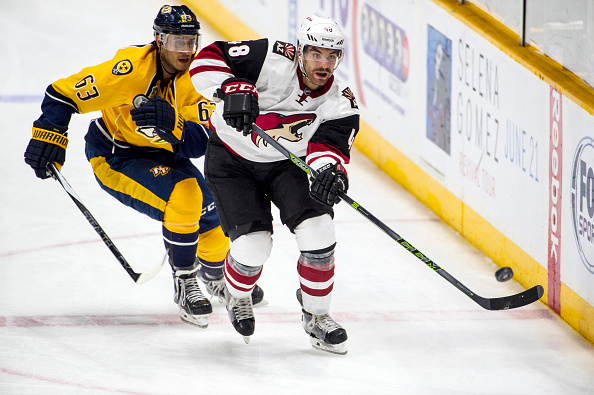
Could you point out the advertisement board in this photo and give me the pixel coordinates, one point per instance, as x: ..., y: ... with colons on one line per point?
x: 577, y: 221
x: 493, y: 154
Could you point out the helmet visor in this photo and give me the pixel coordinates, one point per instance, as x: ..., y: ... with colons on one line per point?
x: 180, y: 42
x: 322, y: 55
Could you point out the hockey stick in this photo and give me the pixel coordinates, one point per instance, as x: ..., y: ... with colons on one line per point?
x: 504, y: 303
x: 138, y: 278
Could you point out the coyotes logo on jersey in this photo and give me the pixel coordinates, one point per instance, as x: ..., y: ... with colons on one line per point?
x: 282, y: 126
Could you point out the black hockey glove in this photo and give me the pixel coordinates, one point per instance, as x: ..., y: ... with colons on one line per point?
x: 331, y: 180
x: 241, y: 103
x: 48, y: 145
x: 158, y: 114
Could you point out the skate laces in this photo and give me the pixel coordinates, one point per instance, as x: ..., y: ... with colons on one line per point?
x: 192, y: 289
x: 325, y: 323
x: 242, y: 308
x: 216, y: 288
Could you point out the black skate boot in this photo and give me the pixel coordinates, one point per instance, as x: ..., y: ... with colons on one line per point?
x: 193, y: 306
x: 258, y: 295
x: 241, y: 315
x: 324, y: 333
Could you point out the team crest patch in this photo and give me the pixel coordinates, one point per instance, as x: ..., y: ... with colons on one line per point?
x: 284, y: 49
x: 348, y: 93
x: 122, y: 67
x: 160, y: 170
x: 286, y: 127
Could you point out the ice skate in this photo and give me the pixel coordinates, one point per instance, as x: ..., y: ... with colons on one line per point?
x: 258, y: 296
x: 216, y: 289
x: 194, y: 307
x: 324, y: 332
x: 241, y: 314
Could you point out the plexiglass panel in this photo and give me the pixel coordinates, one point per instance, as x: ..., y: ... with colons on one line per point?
x: 562, y: 29
x: 508, y: 12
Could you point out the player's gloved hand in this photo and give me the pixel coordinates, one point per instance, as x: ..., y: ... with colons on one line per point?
x: 240, y: 108
x: 158, y: 114
x: 331, y: 180
x: 48, y: 145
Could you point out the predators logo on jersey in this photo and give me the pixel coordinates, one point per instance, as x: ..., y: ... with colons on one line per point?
x: 160, y: 170
x: 123, y: 67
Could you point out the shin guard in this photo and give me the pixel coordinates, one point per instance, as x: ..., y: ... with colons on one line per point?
x: 240, y: 279
x: 316, y: 277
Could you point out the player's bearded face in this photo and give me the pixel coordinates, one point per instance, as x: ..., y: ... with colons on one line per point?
x: 319, y: 64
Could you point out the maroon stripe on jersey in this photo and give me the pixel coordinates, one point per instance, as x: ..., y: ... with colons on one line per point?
x: 327, y: 150
x: 202, y: 69
x: 210, y: 52
x: 317, y: 292
x: 328, y: 155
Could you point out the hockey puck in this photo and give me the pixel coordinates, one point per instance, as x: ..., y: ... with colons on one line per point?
x: 504, y: 274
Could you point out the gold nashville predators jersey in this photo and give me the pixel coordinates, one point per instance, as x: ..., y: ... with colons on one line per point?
x: 110, y: 87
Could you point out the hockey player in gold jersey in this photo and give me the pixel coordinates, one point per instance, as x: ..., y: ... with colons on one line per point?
x: 152, y: 122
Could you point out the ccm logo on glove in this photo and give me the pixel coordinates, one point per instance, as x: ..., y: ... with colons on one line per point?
x: 239, y: 87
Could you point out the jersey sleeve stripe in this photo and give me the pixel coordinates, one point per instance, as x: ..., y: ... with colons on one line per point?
x: 315, y: 151
x: 205, y: 68
x: 211, y: 51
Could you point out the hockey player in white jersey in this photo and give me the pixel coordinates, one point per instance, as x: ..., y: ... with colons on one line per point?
x: 292, y: 94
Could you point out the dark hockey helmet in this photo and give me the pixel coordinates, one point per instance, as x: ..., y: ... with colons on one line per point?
x: 176, y: 19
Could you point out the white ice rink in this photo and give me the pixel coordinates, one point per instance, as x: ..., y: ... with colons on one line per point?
x: 73, y: 322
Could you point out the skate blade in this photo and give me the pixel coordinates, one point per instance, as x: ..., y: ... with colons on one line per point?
x: 200, y: 321
x: 246, y: 339
x: 333, y: 348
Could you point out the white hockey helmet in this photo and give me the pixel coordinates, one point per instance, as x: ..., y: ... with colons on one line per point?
x: 319, y: 32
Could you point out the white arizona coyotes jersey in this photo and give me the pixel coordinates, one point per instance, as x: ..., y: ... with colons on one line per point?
x: 321, y: 124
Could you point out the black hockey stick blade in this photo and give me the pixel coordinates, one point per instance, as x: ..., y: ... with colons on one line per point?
x: 511, y: 302
x: 139, y: 278
x: 504, y: 303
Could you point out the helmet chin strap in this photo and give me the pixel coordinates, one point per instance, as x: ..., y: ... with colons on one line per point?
x: 302, y: 68
x: 167, y: 71
x: 159, y: 44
